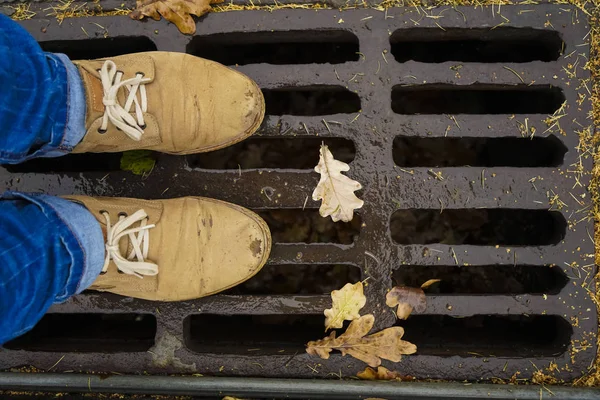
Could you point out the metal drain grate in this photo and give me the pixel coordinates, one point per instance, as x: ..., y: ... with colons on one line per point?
x: 431, y: 114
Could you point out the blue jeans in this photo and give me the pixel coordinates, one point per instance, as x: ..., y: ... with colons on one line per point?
x: 50, y: 248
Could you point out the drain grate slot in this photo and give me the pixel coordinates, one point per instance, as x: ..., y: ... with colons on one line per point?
x: 71, y: 163
x: 99, y: 48
x: 494, y: 226
x: 415, y: 151
x: 476, y: 99
x: 311, y: 100
x: 516, y: 45
x: 483, y: 279
x: 263, y: 334
x: 277, y: 153
x: 282, y: 47
x: 307, y: 226
x: 489, y: 335
x: 299, y: 279
x: 89, y: 333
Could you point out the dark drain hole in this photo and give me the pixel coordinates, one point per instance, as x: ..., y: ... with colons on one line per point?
x: 287, y: 47
x: 89, y: 333
x: 486, y: 279
x: 298, y: 279
x: 476, y: 99
x: 289, y: 152
x: 488, y: 335
x: 99, y: 48
x: 483, y: 335
x: 494, y: 226
x: 307, y: 226
x: 75, y: 163
x: 311, y: 100
x: 518, y: 45
x: 478, y: 152
x: 251, y: 334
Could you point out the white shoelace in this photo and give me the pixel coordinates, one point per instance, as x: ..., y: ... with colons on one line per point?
x: 114, y: 112
x: 140, y: 244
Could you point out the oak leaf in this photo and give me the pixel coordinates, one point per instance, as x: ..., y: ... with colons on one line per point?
x: 386, y: 344
x: 346, y: 304
x: 178, y: 12
x: 382, y: 374
x: 334, y: 189
x: 407, y: 299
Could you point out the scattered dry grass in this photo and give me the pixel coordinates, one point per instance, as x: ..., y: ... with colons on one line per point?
x: 589, y: 140
x: 22, y: 12
x: 67, y: 9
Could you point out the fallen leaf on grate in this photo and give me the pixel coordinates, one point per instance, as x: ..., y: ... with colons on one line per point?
x: 140, y: 162
x: 336, y: 190
x: 407, y: 299
x: 386, y: 344
x: 346, y: 304
x: 382, y: 374
x: 178, y: 12
x: 429, y: 283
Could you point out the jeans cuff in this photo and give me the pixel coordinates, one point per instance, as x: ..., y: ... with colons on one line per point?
x: 88, y: 233
x: 76, y: 108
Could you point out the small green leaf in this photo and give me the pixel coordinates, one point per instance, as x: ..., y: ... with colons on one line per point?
x: 140, y: 162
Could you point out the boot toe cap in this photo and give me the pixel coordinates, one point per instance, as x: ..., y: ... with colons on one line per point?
x: 238, y: 248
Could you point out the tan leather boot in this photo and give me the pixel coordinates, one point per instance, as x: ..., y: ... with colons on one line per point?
x: 178, y: 249
x: 168, y: 102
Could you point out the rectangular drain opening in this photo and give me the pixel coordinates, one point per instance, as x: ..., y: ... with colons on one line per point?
x: 89, y: 49
x: 277, y: 153
x: 89, y: 333
x: 280, y: 47
x: 482, y: 45
x: 488, y: 335
x: 262, y: 334
x: 483, y: 279
x: 299, y: 279
x: 307, y: 226
x: 75, y: 163
x: 412, y: 151
x: 491, y: 226
x: 311, y: 100
x: 476, y: 99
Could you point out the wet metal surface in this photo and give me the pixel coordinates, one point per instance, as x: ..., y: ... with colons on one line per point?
x: 425, y: 214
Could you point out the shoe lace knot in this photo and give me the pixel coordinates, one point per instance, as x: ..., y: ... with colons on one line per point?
x: 113, y: 111
x: 140, y: 244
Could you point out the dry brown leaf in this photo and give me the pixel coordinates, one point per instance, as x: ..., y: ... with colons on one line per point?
x: 382, y: 374
x: 429, y: 283
x: 386, y: 344
x: 407, y: 299
x: 346, y: 304
x: 334, y: 189
x: 178, y: 12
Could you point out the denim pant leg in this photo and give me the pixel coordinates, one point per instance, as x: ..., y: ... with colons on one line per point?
x: 50, y: 249
x: 42, y: 100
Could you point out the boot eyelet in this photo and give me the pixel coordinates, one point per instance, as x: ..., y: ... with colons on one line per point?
x: 143, y: 126
x: 101, y: 131
x: 103, y: 273
x: 120, y: 272
x: 123, y: 214
x: 102, y: 212
x: 140, y: 73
